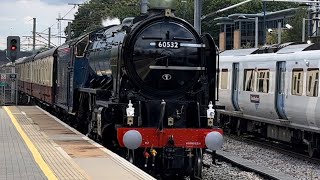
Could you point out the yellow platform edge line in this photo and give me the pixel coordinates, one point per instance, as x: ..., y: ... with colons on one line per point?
x: 36, y: 155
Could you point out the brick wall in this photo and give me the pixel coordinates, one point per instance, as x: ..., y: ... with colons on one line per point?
x: 237, y: 39
x: 222, y: 41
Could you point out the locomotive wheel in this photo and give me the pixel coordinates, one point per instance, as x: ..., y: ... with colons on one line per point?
x: 197, y: 169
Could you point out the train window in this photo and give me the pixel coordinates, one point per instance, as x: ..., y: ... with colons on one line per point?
x: 263, y: 80
x: 297, y: 82
x: 82, y: 47
x: 224, y: 79
x: 248, y: 83
x: 312, y: 82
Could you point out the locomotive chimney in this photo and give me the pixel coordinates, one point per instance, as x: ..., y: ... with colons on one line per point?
x: 144, y: 6
x: 161, y: 5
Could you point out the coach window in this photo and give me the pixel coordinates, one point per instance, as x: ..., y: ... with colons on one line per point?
x: 312, y: 82
x: 82, y: 46
x: 297, y: 82
x: 263, y: 80
x: 224, y: 79
x: 248, y: 83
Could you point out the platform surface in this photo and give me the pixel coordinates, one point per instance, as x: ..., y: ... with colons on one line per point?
x: 16, y: 161
x: 36, y: 145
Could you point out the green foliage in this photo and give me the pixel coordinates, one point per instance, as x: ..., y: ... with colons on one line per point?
x: 89, y: 16
x: 185, y: 9
x: 294, y: 34
x: 271, y: 38
x: 289, y: 35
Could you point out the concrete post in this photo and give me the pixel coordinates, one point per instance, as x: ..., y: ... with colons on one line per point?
x: 303, y: 29
x: 49, y: 38
x: 197, y: 15
x: 34, y: 36
x: 69, y: 31
x: 279, y: 32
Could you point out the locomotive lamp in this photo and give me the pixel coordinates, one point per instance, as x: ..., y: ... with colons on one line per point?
x: 210, y: 114
x: 130, y: 113
x: 170, y: 121
x: 214, y: 141
x: 132, y: 139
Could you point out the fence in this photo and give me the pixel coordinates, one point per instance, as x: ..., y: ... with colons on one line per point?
x: 8, y: 89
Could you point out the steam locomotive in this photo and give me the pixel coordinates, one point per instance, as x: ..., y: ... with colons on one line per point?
x: 146, y: 89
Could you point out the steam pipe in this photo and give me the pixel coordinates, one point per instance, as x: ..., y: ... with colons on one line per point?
x: 162, y: 110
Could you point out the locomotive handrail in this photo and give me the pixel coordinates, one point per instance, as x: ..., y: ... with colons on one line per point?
x: 180, y: 68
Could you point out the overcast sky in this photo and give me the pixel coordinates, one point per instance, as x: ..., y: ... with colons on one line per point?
x: 16, y: 18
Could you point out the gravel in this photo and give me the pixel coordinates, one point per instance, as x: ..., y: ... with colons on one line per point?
x: 297, y: 168
x: 224, y: 171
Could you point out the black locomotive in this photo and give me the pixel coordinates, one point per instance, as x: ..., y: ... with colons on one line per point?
x: 142, y: 88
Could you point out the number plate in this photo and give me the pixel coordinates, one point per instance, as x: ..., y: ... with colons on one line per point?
x: 167, y: 44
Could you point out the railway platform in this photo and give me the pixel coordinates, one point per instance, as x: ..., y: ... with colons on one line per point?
x: 35, y: 145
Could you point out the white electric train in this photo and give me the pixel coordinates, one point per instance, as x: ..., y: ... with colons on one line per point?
x: 274, y: 92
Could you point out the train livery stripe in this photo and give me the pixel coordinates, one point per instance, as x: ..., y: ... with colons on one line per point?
x: 185, y: 45
x: 35, y: 153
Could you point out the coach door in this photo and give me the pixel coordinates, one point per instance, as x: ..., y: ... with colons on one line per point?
x: 235, y: 86
x: 280, y: 89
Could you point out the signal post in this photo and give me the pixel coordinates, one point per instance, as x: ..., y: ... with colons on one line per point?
x: 13, y: 52
x: 13, y: 48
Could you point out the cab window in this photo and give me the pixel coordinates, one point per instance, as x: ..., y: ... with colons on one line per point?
x: 82, y: 47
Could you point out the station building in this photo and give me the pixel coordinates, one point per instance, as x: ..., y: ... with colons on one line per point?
x: 238, y: 30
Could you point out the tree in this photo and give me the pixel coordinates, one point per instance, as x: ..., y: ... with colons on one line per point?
x: 289, y: 35
x: 294, y: 34
x: 89, y: 16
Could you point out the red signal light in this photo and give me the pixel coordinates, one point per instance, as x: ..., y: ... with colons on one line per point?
x: 13, y: 48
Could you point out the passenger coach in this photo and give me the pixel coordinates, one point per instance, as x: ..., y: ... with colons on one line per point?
x: 273, y: 91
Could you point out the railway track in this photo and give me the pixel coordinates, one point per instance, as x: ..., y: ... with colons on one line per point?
x: 246, y: 166
x: 266, y: 173
x: 279, y: 147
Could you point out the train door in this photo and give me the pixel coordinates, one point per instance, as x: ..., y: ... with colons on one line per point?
x: 235, y: 86
x: 280, y: 89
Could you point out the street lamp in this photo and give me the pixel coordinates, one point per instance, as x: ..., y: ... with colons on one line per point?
x: 279, y: 30
x: 304, y: 27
